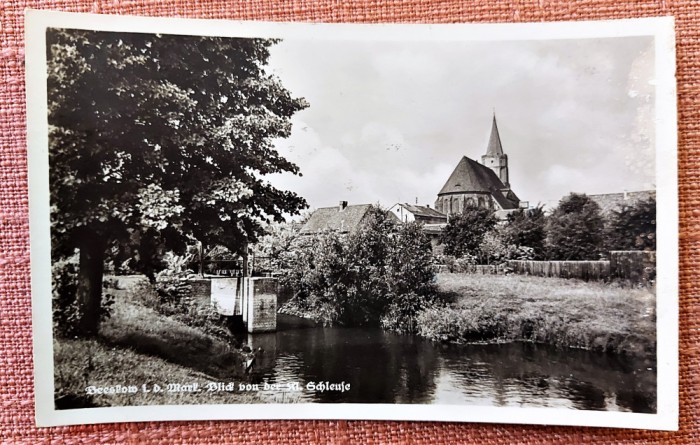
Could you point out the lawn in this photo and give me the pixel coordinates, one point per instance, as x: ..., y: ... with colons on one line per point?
x: 138, y: 345
x: 566, y: 313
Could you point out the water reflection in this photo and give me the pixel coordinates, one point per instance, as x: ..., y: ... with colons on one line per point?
x: 386, y: 368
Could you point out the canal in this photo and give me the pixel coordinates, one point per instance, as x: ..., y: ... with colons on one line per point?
x: 382, y: 367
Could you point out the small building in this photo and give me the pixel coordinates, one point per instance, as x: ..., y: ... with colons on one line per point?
x: 424, y: 214
x: 343, y: 218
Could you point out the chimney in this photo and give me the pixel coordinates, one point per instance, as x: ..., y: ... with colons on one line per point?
x: 427, y: 205
x: 342, y: 205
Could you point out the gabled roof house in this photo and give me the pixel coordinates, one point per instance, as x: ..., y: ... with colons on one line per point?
x: 409, y: 212
x: 343, y: 218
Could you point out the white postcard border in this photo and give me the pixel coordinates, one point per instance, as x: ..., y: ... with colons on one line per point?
x: 661, y: 28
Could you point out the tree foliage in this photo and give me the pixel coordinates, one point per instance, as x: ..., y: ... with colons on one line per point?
x: 633, y: 227
x: 380, y: 274
x: 465, y: 232
x: 575, y: 229
x: 526, y: 229
x: 156, y: 140
x: 410, y: 277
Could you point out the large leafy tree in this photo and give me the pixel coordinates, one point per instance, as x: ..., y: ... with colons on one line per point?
x: 575, y: 229
x: 465, y: 232
x: 159, y: 139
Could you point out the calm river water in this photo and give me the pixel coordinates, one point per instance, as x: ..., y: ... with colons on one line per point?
x: 382, y: 367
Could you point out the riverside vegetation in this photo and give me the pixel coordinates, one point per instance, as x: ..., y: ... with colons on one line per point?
x: 383, y: 275
x: 555, y: 311
x: 380, y: 275
x: 148, y: 340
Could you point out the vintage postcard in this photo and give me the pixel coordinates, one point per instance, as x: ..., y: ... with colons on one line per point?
x: 473, y: 222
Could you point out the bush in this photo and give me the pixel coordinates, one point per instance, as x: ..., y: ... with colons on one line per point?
x: 382, y: 274
x: 575, y: 230
x: 465, y: 232
x: 171, y: 286
x: 401, y: 313
x: 171, y: 295
x: 445, y: 324
x: 524, y: 231
x: 633, y: 227
x: 64, y: 286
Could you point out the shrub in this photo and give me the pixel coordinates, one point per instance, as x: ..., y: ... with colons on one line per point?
x: 171, y: 295
x: 465, y: 232
x: 382, y: 274
x: 64, y: 286
x: 633, y: 227
x: 171, y: 286
x: 575, y: 229
x: 525, y: 229
x: 402, y: 311
x: 445, y: 324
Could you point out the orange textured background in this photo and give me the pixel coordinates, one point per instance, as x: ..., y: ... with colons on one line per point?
x: 16, y: 380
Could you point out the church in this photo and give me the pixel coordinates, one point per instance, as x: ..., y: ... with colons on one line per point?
x: 484, y: 184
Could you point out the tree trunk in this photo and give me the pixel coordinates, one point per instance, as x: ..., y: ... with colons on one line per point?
x: 89, y: 294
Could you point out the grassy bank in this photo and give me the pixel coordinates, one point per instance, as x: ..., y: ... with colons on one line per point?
x: 84, y: 363
x: 559, y: 312
x: 139, y: 345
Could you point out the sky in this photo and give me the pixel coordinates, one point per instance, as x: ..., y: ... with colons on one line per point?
x: 387, y: 122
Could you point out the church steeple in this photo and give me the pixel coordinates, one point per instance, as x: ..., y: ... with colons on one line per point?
x: 494, y: 158
x: 494, y: 148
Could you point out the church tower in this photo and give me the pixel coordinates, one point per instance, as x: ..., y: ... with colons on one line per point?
x: 494, y: 158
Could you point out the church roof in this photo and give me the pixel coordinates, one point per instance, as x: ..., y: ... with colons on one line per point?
x: 470, y: 176
x: 494, y: 148
x: 336, y: 219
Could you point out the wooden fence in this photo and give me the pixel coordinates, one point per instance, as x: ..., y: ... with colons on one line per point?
x: 583, y: 270
x: 479, y: 269
x: 632, y: 266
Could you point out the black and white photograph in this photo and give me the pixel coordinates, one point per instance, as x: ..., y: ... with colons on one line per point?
x: 363, y: 221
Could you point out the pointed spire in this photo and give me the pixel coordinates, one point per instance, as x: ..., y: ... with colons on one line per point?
x: 494, y: 147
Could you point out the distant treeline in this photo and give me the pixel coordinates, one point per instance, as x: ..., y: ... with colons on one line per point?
x: 577, y: 230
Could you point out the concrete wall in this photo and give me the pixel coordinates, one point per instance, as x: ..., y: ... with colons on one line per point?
x: 254, y: 299
x: 224, y: 295
x: 260, y: 306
